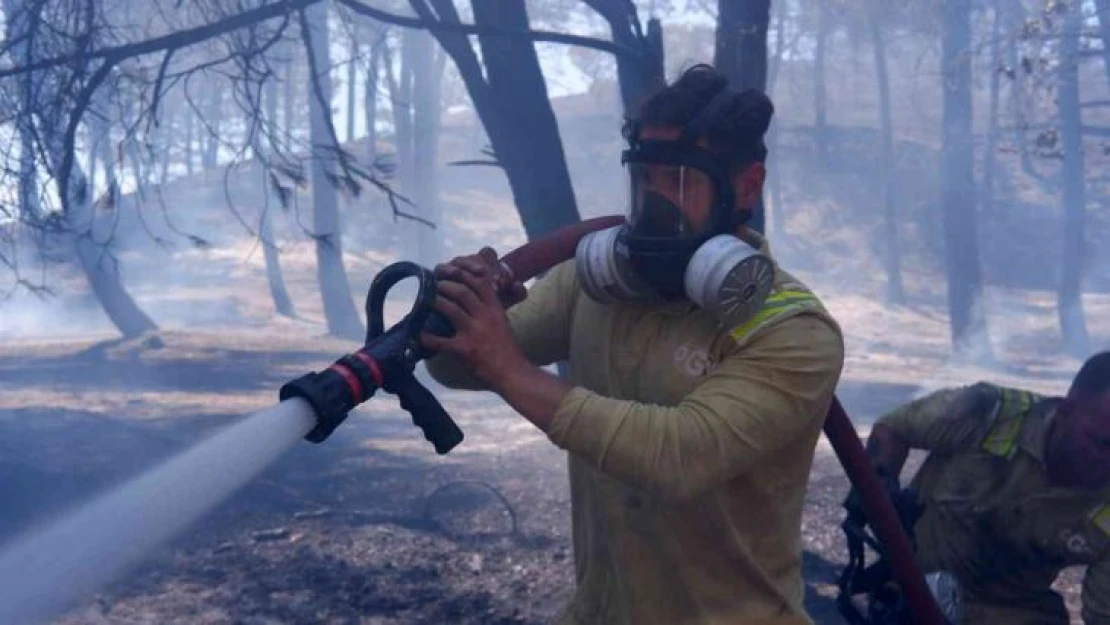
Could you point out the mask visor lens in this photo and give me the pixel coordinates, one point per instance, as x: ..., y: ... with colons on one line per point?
x: 672, y: 201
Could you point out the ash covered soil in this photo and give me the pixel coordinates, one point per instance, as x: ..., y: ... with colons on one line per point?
x: 370, y: 526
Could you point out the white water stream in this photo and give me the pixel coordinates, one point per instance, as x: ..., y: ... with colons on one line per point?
x: 49, y: 570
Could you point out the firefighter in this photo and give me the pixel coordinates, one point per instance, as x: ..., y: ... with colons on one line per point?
x: 700, y: 374
x: 1015, y: 487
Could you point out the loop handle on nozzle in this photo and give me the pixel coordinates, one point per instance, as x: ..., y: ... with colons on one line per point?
x: 386, y: 280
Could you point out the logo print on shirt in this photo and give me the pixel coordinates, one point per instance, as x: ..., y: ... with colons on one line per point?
x: 693, y: 361
x: 1075, y: 542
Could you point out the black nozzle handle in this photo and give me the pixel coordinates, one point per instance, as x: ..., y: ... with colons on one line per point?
x: 386, y: 280
x: 427, y: 413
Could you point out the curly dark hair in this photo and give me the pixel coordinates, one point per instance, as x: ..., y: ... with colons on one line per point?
x: 737, y: 131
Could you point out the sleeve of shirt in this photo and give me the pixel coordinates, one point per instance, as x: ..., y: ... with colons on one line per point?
x: 1096, y: 594
x: 944, y: 421
x: 541, y: 324
x: 754, y: 402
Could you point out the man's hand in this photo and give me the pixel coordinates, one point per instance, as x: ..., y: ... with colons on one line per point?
x: 483, y: 339
x: 484, y: 265
x: 473, y: 294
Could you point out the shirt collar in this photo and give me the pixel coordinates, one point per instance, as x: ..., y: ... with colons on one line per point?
x: 1035, y: 435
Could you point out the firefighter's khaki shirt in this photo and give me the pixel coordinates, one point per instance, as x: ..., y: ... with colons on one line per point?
x: 689, y: 450
x: 990, y: 515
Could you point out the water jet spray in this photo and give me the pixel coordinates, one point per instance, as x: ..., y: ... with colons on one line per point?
x: 45, y: 572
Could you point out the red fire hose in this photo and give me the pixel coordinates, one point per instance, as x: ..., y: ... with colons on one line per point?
x: 532, y: 258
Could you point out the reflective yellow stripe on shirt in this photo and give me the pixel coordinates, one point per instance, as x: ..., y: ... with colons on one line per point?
x: 1100, y: 516
x: 776, y: 304
x: 1002, y: 438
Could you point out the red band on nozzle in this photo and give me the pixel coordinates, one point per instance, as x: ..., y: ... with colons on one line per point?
x: 372, y: 364
x: 352, y: 381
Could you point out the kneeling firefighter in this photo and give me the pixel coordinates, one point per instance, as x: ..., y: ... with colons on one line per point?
x: 1014, y: 488
x: 700, y: 374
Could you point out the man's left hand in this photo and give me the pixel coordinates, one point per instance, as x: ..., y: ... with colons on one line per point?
x: 483, y: 338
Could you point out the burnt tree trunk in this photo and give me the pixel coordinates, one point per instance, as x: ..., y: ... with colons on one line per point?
x: 967, y: 316
x: 1015, y: 13
x: 895, y: 292
x: 214, y: 116
x: 23, y: 24
x: 335, y: 290
x: 820, y: 97
x: 774, y: 176
x: 636, y: 77
x: 428, y: 69
x: 187, y: 154
x: 352, y: 85
x: 740, y: 53
x: 1069, y: 296
x: 370, y: 100
x: 1103, y: 9
x: 275, y: 278
x: 289, y: 97
x: 740, y: 48
x: 100, y: 127
x: 101, y: 269
x: 990, y: 151
x: 400, y: 97
x: 512, y: 102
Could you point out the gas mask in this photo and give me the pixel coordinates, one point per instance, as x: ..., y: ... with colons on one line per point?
x: 659, y: 254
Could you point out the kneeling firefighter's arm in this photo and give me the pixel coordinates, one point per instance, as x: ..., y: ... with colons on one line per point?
x: 887, y: 450
x: 945, y: 421
x: 753, y: 403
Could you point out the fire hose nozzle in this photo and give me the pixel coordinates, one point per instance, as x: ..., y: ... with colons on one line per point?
x: 328, y: 394
x: 386, y: 361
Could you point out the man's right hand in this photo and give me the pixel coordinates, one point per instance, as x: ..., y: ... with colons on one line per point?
x: 485, y: 264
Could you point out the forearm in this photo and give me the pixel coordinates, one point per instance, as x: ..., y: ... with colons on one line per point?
x: 534, y: 393
x: 887, y: 451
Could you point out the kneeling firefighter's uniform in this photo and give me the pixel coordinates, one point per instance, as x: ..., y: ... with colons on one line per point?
x: 988, y: 513
x: 701, y: 377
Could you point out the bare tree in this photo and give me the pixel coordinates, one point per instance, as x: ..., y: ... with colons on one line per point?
x: 510, y: 97
x: 52, y: 115
x: 259, y: 97
x: 895, y: 291
x: 741, y: 54
x: 1102, y: 7
x: 820, y: 96
x: 990, y: 151
x: 179, y: 44
x: 741, y: 42
x: 1069, y: 301
x: 774, y: 175
x: 966, y: 306
x: 339, y: 308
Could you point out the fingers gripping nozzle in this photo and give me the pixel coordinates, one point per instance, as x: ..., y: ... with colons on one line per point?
x: 385, y: 362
